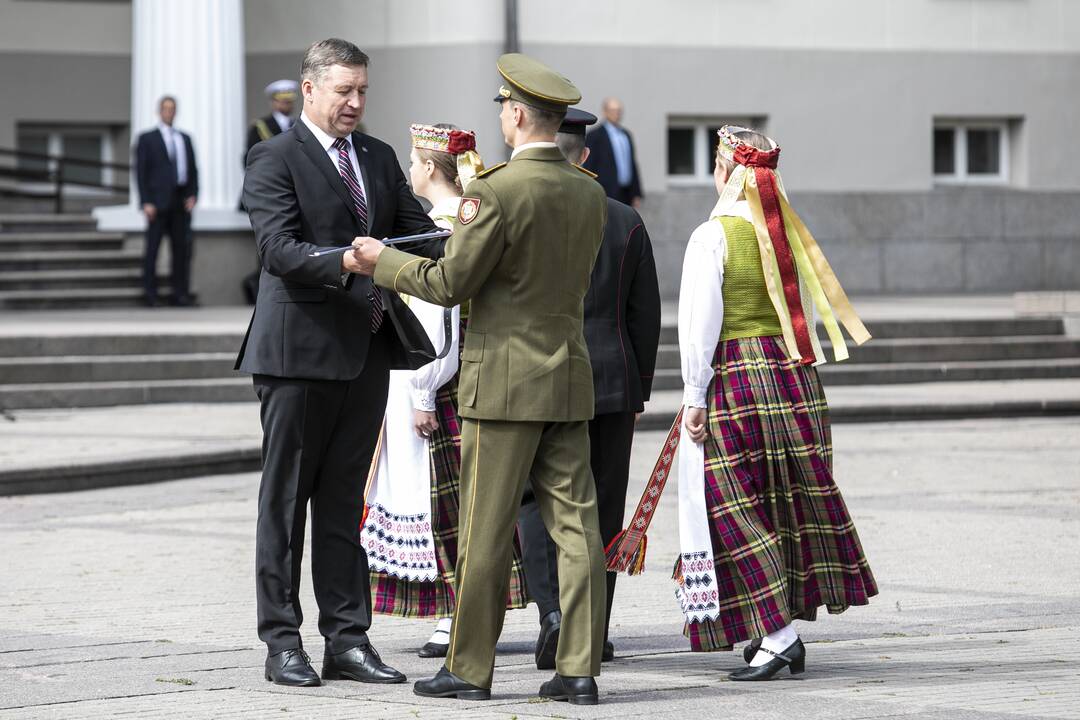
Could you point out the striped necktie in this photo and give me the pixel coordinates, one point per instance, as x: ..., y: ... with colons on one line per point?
x: 348, y: 174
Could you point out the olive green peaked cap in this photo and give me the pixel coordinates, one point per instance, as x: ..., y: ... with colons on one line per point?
x: 534, y: 83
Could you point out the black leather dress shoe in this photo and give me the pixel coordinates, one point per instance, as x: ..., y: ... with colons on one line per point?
x: 433, y: 650
x: 292, y: 668
x: 793, y: 658
x: 750, y: 650
x: 547, y: 644
x: 361, y: 664
x: 446, y: 684
x: 576, y: 690
x: 609, y: 652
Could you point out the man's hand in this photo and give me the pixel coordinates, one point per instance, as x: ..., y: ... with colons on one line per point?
x: 696, y: 421
x: 424, y: 423
x: 363, y: 257
x: 149, y: 211
x: 635, y: 202
x: 189, y: 204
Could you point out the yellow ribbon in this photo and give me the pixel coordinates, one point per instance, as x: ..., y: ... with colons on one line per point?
x: 469, y: 165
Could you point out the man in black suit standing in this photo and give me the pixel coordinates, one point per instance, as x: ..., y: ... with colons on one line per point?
x: 622, y: 331
x: 612, y: 157
x: 168, y: 181
x: 320, y: 346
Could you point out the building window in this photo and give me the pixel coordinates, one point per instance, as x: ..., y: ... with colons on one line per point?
x: 80, y: 142
x: 971, y: 152
x: 691, y: 146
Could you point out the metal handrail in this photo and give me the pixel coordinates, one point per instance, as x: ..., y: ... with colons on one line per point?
x: 54, y: 173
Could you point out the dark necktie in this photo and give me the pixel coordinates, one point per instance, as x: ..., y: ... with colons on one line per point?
x: 345, y: 168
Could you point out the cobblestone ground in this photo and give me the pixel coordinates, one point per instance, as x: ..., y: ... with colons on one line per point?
x: 139, y: 602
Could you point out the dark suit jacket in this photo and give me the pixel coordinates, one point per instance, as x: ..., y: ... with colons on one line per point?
x: 601, y: 161
x: 306, y: 323
x: 622, y: 314
x: 155, y: 174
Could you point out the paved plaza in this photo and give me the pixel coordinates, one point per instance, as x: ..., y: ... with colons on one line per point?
x: 139, y: 602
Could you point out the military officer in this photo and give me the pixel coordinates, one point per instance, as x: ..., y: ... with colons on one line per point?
x: 524, y: 244
x: 282, y: 94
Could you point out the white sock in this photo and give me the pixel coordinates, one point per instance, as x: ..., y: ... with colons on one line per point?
x: 441, y: 636
x: 778, y: 642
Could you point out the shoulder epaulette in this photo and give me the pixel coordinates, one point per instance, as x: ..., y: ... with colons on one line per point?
x: 488, y: 171
x: 263, y: 129
x: 590, y: 173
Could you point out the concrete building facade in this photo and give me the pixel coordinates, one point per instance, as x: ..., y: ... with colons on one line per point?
x: 926, y: 142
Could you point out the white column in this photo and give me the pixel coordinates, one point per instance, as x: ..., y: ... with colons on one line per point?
x: 194, y: 51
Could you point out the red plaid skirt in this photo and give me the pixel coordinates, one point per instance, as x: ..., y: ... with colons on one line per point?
x: 409, y: 598
x: 783, y: 541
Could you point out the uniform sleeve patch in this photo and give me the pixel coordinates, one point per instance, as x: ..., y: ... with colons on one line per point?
x: 468, y: 210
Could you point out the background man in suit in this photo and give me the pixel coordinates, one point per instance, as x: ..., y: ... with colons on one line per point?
x: 622, y: 330
x: 282, y: 94
x: 612, y: 156
x: 524, y: 243
x: 320, y: 345
x: 168, y: 181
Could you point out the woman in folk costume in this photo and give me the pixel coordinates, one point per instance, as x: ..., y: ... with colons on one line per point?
x: 766, y: 538
x: 410, y: 525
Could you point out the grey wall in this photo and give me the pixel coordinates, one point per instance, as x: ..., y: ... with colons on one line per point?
x: 945, y: 241
x: 63, y: 88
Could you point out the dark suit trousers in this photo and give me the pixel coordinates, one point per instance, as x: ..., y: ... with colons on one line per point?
x: 318, y: 439
x: 176, y: 223
x: 610, y: 437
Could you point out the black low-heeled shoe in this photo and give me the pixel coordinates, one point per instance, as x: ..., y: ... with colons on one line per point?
x: 750, y: 650
x: 433, y: 650
x: 793, y: 658
x: 446, y: 684
x: 574, y: 690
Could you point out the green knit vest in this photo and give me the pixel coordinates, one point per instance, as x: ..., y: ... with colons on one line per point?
x: 748, y: 312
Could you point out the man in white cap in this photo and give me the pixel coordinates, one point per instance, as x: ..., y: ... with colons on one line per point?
x: 282, y: 94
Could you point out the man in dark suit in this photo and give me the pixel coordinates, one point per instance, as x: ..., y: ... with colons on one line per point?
x: 612, y: 157
x: 320, y: 345
x: 168, y: 181
x: 622, y: 331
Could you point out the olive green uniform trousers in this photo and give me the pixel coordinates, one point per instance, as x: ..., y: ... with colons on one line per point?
x: 497, y: 458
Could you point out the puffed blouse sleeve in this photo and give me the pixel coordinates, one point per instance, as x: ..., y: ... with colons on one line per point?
x: 701, y: 309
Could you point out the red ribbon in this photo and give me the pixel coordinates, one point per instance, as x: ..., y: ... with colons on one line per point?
x: 764, y: 162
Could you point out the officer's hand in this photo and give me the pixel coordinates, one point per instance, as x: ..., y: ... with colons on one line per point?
x: 696, y: 421
x: 150, y: 211
x: 363, y: 257
x: 189, y: 203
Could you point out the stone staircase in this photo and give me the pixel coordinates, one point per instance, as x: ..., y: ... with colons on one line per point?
x: 149, y: 363
x: 62, y: 261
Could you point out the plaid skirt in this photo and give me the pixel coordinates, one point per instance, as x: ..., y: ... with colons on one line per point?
x: 783, y: 541
x: 407, y: 598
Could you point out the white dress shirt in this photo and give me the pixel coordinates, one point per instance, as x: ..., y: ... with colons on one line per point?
x: 701, y: 305
x: 177, y: 149
x: 526, y: 146
x: 284, y: 121
x: 328, y: 145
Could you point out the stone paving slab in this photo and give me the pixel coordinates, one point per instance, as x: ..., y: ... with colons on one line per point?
x: 138, y: 601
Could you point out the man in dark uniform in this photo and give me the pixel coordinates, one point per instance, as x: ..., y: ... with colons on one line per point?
x: 622, y: 330
x: 282, y: 94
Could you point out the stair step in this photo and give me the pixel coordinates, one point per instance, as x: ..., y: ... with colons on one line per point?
x: 92, y: 240
x: 43, y: 347
x: 837, y: 374
x: 937, y: 349
x: 69, y: 298
x: 85, y: 278
x: 912, y: 329
x: 111, y: 368
x: 45, y: 222
x: 63, y: 259
x: 72, y: 395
